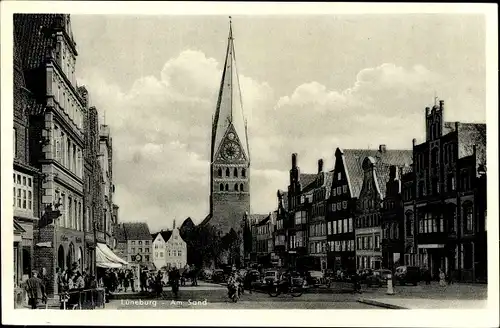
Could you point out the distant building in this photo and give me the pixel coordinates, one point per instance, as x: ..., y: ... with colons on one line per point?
x: 139, y: 244
x: 264, y: 239
x: 160, y: 248
x: 121, y: 246
x: 176, y: 249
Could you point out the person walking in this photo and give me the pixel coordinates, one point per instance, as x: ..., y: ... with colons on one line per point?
x: 35, y: 290
x: 174, y: 277
x: 442, y: 278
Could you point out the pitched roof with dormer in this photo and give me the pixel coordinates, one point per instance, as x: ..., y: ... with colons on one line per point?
x: 165, y: 234
x: 384, y: 159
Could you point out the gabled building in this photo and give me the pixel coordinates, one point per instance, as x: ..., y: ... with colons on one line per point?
x: 56, y: 141
x: 160, y: 248
x: 280, y: 230
x: 264, y: 240
x: 250, y: 236
x: 139, y: 243
x: 355, y: 202
x: 299, y: 208
x: 377, y: 172
x: 449, y: 198
x: 320, y: 190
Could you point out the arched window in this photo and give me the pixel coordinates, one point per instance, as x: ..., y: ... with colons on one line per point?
x: 235, y: 172
x: 227, y: 172
x: 219, y: 172
x: 409, y: 223
x: 227, y: 187
x: 235, y: 187
x: 241, y: 186
x: 221, y: 187
x: 243, y: 173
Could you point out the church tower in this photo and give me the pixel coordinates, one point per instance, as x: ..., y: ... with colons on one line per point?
x: 230, y: 156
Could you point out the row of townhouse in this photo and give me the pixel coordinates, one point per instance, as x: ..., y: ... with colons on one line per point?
x: 62, y: 176
x: 382, y: 208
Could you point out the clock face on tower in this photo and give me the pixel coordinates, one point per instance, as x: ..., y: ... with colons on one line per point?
x: 231, y: 151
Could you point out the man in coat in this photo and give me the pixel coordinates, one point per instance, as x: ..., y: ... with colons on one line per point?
x: 35, y: 289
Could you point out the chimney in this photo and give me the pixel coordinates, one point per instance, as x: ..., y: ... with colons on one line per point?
x: 294, y: 160
x: 414, y: 142
x: 456, y: 126
x: 441, y: 105
x: 320, y: 165
x: 382, y: 148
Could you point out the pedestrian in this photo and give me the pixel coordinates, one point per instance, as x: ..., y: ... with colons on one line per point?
x: 142, y: 280
x: 428, y: 277
x: 450, y: 277
x: 174, y: 277
x: 35, y: 290
x: 126, y: 281
x: 131, y: 279
x: 442, y: 278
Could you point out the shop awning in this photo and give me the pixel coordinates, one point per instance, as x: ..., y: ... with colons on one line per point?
x: 105, y: 257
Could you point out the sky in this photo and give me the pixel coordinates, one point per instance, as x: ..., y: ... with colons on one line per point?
x: 309, y: 84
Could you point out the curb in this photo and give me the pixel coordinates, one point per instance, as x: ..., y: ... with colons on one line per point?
x: 382, y: 305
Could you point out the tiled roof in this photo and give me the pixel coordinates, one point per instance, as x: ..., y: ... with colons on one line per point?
x: 188, y: 223
x: 306, y: 179
x: 206, y: 220
x: 165, y: 234
x: 35, y: 38
x: 470, y: 134
x: 137, y: 231
x: 264, y: 221
x: 353, y: 160
x: 119, y: 233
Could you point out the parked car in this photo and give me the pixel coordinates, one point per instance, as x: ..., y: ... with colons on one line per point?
x: 314, y: 278
x: 378, y: 277
x: 218, y: 276
x: 271, y: 276
x: 206, y: 274
x: 407, y: 274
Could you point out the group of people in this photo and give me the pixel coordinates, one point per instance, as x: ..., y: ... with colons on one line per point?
x: 118, y: 279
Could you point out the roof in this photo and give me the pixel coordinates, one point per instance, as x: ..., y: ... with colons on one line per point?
x: 119, y: 233
x: 470, y: 135
x: 34, y: 33
x: 306, y: 178
x: 137, y: 231
x: 229, y: 111
x: 264, y: 221
x: 206, y: 220
x: 327, y: 183
x: 256, y: 218
x: 353, y: 160
x: 165, y: 234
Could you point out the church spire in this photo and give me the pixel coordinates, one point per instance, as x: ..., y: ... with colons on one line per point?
x: 229, y: 111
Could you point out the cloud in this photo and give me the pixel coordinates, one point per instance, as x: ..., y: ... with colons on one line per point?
x: 161, y: 130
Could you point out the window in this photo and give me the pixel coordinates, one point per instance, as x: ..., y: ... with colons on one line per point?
x: 227, y: 172
x: 243, y: 173
x: 334, y: 227
x: 146, y: 258
x: 140, y: 250
x: 235, y: 187
x: 468, y: 217
x: 346, y: 228
x: 334, y: 207
x: 227, y: 187
x: 339, y: 226
x: 350, y: 225
x: 179, y: 253
x: 221, y: 187
x: 377, y: 241
x: 421, y: 190
x: 23, y: 189
x: 339, y: 190
x: 409, y: 224
x: 140, y: 242
x: 339, y: 206
x: 133, y: 242
x: 133, y: 250
x: 146, y: 250
x: 344, y: 204
x: 241, y: 187
x: 169, y: 254
x: 344, y: 189
x: 339, y: 176
x: 219, y: 172
x: 358, y: 241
